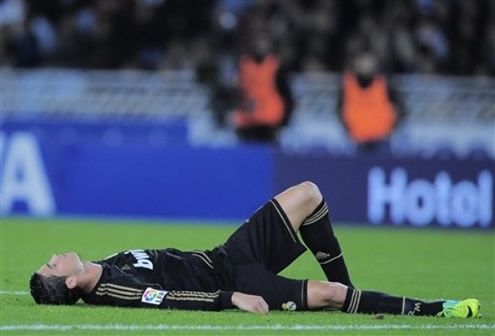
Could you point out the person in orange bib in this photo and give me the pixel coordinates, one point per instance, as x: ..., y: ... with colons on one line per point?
x: 265, y: 100
x: 369, y: 107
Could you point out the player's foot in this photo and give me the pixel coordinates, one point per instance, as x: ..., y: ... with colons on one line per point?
x: 461, y: 309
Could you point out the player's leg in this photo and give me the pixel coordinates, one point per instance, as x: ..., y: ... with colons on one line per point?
x: 266, y: 238
x: 307, y: 212
x: 280, y: 293
x: 350, y: 300
x: 299, y: 202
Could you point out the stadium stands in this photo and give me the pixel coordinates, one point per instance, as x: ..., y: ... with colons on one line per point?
x: 446, y: 117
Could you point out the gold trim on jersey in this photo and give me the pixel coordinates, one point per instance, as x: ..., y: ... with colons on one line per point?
x: 304, y: 285
x: 195, y: 293
x: 329, y: 261
x: 203, y: 257
x: 355, y: 301
x: 125, y: 288
x: 169, y: 297
x: 353, y: 296
x: 193, y: 296
x: 119, y: 292
x: 284, y: 221
x: 317, y: 216
x: 122, y: 297
x: 204, y: 254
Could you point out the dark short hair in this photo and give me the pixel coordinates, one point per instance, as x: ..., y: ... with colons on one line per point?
x: 52, y: 290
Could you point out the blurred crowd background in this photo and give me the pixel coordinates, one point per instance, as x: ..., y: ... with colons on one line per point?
x: 128, y: 105
x: 299, y: 73
x: 454, y: 37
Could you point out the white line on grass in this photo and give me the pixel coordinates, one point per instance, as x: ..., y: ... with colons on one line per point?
x: 134, y: 327
x: 15, y: 292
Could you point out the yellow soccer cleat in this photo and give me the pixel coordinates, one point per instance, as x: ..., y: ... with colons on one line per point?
x: 461, y: 309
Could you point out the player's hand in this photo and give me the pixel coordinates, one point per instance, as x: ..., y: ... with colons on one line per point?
x: 250, y: 303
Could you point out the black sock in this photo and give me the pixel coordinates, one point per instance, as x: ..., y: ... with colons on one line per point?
x: 317, y: 233
x: 367, y: 302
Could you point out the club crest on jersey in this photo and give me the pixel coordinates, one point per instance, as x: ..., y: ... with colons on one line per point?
x: 289, y: 305
x: 153, y: 296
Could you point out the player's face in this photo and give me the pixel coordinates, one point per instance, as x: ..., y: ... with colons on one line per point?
x: 66, y: 264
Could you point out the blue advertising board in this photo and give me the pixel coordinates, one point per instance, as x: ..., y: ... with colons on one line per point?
x: 42, y: 176
x: 382, y: 190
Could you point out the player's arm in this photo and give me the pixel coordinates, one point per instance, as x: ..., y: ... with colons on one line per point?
x: 250, y: 303
x: 127, y: 290
x: 192, y: 300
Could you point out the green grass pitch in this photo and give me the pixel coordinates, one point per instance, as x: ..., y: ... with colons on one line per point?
x: 429, y: 264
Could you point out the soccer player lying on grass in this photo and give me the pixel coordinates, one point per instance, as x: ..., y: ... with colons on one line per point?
x: 240, y: 273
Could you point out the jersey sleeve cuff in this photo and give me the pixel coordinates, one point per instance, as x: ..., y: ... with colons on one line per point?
x: 226, y: 300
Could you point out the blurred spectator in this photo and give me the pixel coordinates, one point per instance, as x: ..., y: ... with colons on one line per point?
x: 265, y: 101
x: 432, y: 36
x: 369, y: 107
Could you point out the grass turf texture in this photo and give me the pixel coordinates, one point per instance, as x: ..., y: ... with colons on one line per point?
x: 419, y: 263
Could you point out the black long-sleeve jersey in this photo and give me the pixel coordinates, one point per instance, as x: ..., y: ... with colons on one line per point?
x: 168, y: 278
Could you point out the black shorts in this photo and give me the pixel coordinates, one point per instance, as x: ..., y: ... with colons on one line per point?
x: 262, y: 247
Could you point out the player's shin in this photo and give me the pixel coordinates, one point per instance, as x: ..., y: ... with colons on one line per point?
x: 317, y: 233
x: 368, y: 302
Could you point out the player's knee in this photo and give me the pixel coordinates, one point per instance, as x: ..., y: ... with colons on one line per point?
x: 311, y: 192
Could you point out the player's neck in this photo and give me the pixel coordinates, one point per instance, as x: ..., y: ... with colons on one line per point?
x: 90, y: 276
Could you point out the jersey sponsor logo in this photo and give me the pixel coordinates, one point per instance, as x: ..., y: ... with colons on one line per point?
x: 142, y: 259
x: 153, y: 296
